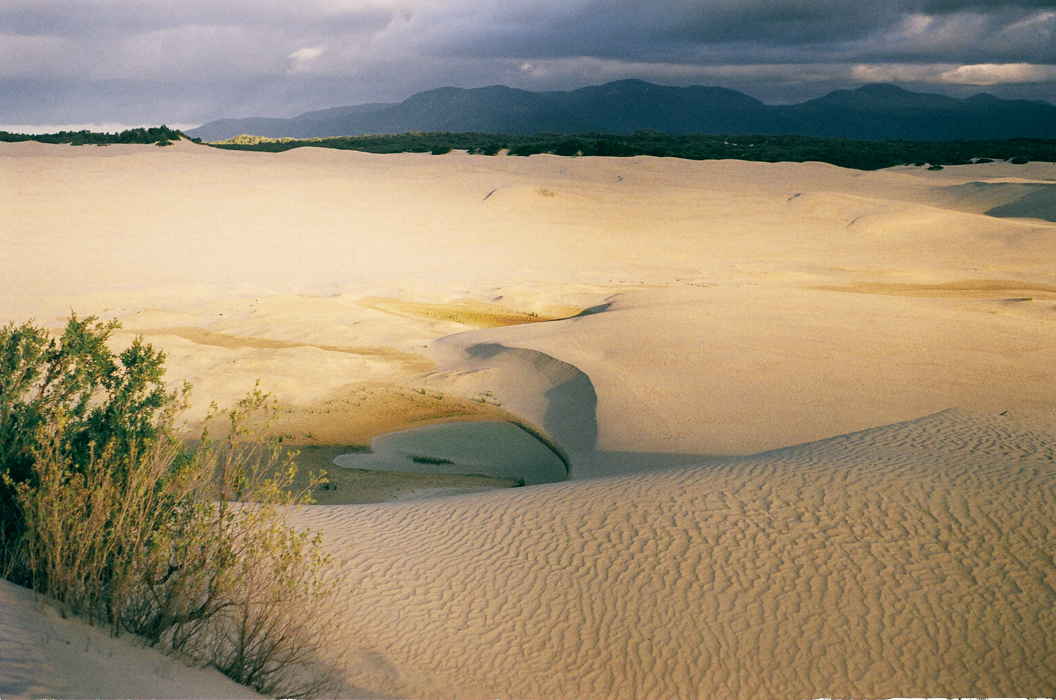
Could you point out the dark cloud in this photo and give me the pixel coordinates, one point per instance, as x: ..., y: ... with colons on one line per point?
x: 723, y: 31
x: 633, y: 30
x: 195, y: 60
x: 952, y: 6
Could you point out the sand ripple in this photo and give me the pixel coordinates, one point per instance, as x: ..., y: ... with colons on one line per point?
x: 915, y: 559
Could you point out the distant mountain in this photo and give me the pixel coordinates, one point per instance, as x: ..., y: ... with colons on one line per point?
x: 872, y: 112
x: 306, y: 126
x: 882, y: 112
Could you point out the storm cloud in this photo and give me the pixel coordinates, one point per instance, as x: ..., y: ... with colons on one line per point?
x: 146, y: 61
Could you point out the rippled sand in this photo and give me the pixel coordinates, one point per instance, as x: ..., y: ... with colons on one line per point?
x: 911, y: 560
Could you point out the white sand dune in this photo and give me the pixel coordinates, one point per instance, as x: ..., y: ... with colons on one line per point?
x: 770, y: 496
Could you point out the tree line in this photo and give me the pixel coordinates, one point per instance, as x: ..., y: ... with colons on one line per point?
x: 847, y: 153
x: 161, y: 135
x: 768, y: 148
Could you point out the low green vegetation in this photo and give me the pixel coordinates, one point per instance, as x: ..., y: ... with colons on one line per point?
x: 847, y: 153
x: 108, y: 514
x: 160, y: 135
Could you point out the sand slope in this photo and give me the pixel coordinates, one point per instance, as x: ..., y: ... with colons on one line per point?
x: 45, y: 656
x: 912, y: 560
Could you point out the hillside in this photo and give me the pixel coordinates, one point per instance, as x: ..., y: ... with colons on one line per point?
x: 872, y: 112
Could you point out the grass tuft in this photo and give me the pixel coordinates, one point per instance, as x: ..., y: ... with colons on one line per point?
x: 420, y: 459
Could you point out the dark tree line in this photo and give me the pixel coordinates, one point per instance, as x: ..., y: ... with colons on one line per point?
x: 847, y: 153
x: 161, y: 135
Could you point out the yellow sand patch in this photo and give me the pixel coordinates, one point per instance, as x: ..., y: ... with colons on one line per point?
x: 352, y: 417
x: 200, y: 336
x: 468, y: 312
x: 357, y: 413
x: 971, y: 289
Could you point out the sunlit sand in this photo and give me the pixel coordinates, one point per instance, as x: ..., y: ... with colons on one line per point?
x: 809, y: 414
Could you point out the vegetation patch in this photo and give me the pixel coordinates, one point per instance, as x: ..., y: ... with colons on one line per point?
x: 160, y: 135
x: 108, y: 515
x: 770, y: 148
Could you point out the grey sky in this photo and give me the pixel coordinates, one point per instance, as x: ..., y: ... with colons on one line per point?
x: 186, y: 62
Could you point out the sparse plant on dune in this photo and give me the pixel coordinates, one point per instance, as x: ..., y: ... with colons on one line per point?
x: 108, y: 515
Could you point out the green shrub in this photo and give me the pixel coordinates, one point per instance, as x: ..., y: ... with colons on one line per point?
x: 101, y: 401
x: 109, y: 516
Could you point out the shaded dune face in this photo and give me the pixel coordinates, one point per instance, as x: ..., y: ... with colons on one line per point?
x: 913, y: 560
x: 571, y: 402
x: 498, y: 450
x: 1005, y: 199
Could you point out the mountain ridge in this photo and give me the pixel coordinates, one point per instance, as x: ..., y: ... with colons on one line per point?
x: 876, y: 111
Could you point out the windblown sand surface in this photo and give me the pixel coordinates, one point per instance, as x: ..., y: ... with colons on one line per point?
x: 912, y: 560
x: 45, y: 656
x: 765, y: 353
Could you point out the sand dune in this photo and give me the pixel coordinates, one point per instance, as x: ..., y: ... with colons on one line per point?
x: 810, y: 412
x: 909, y: 560
x: 821, y: 363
